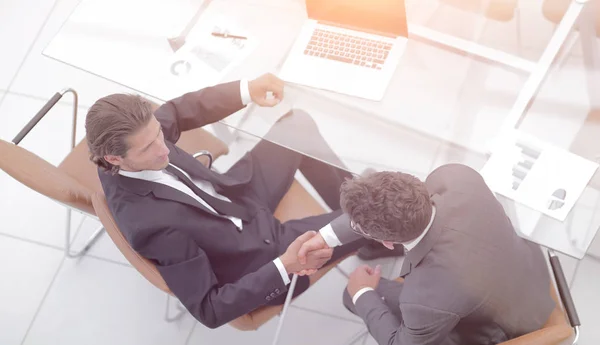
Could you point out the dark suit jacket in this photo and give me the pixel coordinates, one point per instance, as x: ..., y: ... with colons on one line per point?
x: 219, y: 272
x: 471, y: 280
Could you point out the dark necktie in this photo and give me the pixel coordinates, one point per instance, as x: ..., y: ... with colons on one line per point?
x: 221, y: 206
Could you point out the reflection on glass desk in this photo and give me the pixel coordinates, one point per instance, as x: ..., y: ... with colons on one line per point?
x: 447, y: 100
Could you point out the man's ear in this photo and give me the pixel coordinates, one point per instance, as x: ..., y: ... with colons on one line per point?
x: 114, y: 160
x: 388, y: 245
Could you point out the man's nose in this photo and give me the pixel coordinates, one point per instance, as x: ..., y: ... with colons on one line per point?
x: 164, y: 150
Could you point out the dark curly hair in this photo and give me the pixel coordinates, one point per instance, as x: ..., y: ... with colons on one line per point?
x: 390, y: 206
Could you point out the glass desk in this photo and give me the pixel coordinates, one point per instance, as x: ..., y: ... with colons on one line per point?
x: 454, y: 91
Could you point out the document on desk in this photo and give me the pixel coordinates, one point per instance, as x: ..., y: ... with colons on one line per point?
x: 537, y: 174
x: 211, y: 51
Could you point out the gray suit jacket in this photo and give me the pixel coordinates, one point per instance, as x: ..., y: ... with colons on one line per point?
x: 471, y: 280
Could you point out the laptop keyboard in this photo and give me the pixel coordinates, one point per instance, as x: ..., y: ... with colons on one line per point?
x: 346, y: 48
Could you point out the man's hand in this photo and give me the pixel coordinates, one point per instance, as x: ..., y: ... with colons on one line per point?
x: 260, y: 88
x: 315, y: 243
x: 362, y: 277
x: 314, y: 260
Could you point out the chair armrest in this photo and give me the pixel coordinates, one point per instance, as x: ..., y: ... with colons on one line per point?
x: 544, y: 336
x: 45, y: 109
x: 564, y: 293
x: 207, y: 154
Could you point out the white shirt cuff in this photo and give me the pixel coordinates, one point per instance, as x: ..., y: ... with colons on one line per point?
x: 329, y: 236
x: 360, y: 293
x: 245, y: 92
x: 282, y: 271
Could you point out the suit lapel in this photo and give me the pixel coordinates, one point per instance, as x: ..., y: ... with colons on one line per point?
x: 195, y: 169
x: 161, y: 191
x: 241, y: 172
x: 165, y: 192
x: 189, y: 164
x: 406, y: 267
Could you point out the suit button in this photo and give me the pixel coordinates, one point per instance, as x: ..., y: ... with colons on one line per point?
x: 276, y: 290
x: 268, y: 241
x: 273, y: 295
x: 268, y: 298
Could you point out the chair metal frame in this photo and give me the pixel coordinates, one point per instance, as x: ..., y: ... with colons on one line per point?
x: 23, y: 133
x: 564, y: 293
x: 181, y: 311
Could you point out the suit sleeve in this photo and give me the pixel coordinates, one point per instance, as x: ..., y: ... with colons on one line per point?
x: 420, y: 325
x: 343, y: 231
x: 190, y: 277
x: 199, y: 108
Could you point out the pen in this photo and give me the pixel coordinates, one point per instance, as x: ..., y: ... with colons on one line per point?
x: 225, y: 35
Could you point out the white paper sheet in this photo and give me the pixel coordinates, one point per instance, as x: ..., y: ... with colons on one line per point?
x: 537, y: 174
x: 204, y: 59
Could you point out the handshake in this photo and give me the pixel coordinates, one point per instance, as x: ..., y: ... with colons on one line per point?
x: 306, y: 254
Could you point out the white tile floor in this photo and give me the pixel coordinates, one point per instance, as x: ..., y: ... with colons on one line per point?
x: 100, y: 299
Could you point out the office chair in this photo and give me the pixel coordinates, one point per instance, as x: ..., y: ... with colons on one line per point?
x: 297, y: 203
x: 73, y: 181
x: 563, y: 322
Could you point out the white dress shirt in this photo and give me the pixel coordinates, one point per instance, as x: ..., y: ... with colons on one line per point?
x: 332, y: 241
x: 166, y: 178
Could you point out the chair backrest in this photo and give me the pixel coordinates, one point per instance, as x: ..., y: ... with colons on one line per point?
x: 78, y: 165
x: 43, y: 177
x: 554, y: 332
x: 143, y: 265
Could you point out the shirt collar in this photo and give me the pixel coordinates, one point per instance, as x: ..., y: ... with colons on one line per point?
x: 410, y: 245
x: 148, y: 175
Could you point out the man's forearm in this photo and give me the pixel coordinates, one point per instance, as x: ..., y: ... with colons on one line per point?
x: 282, y: 271
x: 342, y: 230
x: 230, y: 301
x: 377, y: 315
x: 418, y: 324
x: 329, y: 236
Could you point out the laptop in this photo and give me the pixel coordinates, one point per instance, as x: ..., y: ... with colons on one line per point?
x: 348, y: 46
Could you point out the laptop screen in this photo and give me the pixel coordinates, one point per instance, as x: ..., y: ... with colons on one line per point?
x: 386, y: 16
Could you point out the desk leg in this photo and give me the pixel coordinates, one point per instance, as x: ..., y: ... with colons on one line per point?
x: 179, y: 41
x: 469, y: 97
x: 591, y: 54
x: 539, y: 74
x: 583, y: 143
